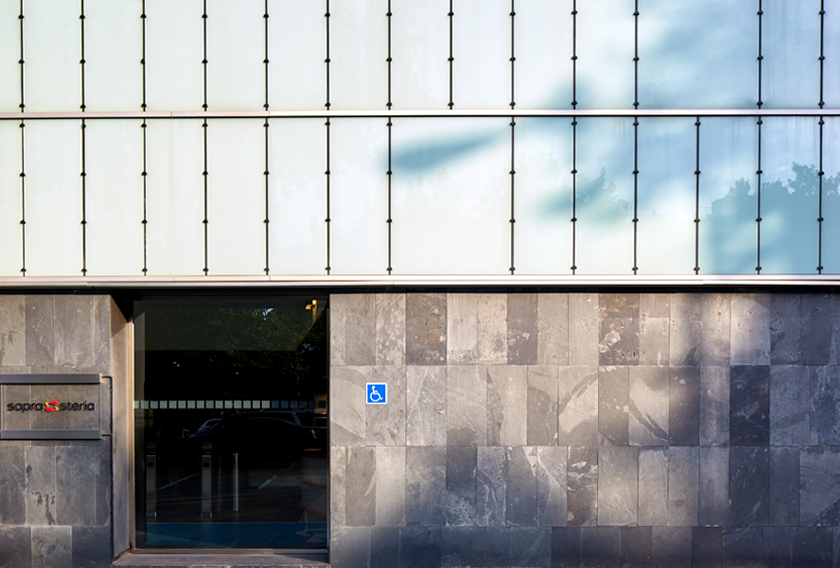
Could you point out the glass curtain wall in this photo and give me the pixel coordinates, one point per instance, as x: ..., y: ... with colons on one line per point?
x: 281, y: 138
x: 231, y: 424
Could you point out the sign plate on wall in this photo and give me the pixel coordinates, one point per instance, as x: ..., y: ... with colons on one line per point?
x: 377, y: 393
x: 50, y: 407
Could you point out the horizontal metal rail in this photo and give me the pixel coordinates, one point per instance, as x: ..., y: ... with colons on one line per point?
x: 332, y: 113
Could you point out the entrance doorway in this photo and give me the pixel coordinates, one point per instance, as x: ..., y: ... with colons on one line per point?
x: 231, y: 424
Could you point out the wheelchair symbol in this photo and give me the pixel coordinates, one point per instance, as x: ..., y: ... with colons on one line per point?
x: 377, y: 393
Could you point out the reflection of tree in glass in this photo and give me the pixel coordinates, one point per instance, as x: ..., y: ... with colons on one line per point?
x: 596, y: 200
x: 789, y: 211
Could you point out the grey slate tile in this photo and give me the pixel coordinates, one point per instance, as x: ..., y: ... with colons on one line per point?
x: 707, y: 547
x: 40, y: 330
x: 819, y: 311
x: 521, y: 486
x: 749, y: 405
x: 360, y: 497
x: 613, y: 405
x: 390, y: 329
x: 785, y: 329
x: 350, y: 547
x: 654, y: 329
x: 713, y: 501
x: 40, y: 485
x: 686, y: 329
x: 16, y: 544
x: 425, y: 329
x: 684, y: 406
x: 565, y: 547
x: 636, y: 546
x: 648, y: 398
x: 384, y: 547
x: 462, y: 329
x: 425, y: 488
x: 825, y: 405
x: 461, y: 468
x: 12, y: 486
x: 749, y: 483
x: 491, y: 330
x: 466, y: 406
x: 52, y: 547
x: 91, y: 547
x: 819, y: 486
x: 716, y: 318
x: 812, y: 546
x: 714, y: 406
x: 12, y: 329
x: 455, y: 546
x: 618, y: 336
x: 425, y: 405
x: 338, y: 485
x: 542, y: 405
x: 750, y: 329
x: 584, y: 323
x: 347, y: 420
x: 530, y: 546
x: 583, y: 485
x: 577, y: 406
x: 490, y: 546
x: 522, y: 337
x: 552, y: 483
x: 600, y: 547
x: 385, y: 423
x: 784, y: 486
x: 507, y: 405
x: 553, y: 329
x: 683, y: 485
x: 617, y: 486
x: 653, y: 487
x: 742, y: 547
x: 671, y: 546
x: 390, y: 485
x: 491, y: 498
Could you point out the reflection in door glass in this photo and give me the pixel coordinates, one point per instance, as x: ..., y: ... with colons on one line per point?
x: 231, y: 424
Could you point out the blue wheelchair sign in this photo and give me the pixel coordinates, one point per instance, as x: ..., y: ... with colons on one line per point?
x: 377, y: 393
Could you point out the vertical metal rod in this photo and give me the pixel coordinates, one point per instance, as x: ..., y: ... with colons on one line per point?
x: 207, y: 486
x: 697, y: 201
x: 84, y: 139
x: 574, y: 137
x: 204, y: 105
x: 143, y: 126
x: 22, y: 154
x: 512, y: 140
x: 451, y: 52
x: 636, y: 143
x: 758, y: 172
x: 327, y: 126
x: 151, y: 485
x: 390, y: 220
x: 266, y: 127
x: 236, y: 482
x: 821, y: 123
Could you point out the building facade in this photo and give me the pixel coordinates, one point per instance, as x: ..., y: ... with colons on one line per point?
x: 394, y: 283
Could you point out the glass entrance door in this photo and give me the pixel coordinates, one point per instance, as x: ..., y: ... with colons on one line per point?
x: 231, y: 424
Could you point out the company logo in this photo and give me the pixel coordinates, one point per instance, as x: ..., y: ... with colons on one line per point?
x: 50, y: 406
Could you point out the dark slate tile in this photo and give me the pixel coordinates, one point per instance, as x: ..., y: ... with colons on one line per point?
x: 552, y: 483
x: 584, y: 322
x: 350, y: 547
x: 683, y: 482
x: 819, y: 489
x: 825, y: 405
x: 749, y: 486
x: 553, y: 329
x: 778, y: 546
x: 13, y: 326
x: 16, y: 545
x: 750, y: 329
x: 812, y: 547
x: 490, y: 546
x: 653, y: 487
x: 686, y: 329
x: 491, y: 322
x: 491, y: 496
x: 654, y: 329
x: 790, y: 405
x: 390, y: 485
x: 618, y: 335
x: 784, y: 487
x: 835, y: 533
x: 40, y: 329
x: 671, y: 546
x: 460, y: 485
x: 618, y: 469
x: 542, y: 406
x: 420, y: 547
x: 684, y: 406
x: 706, y: 547
x: 425, y: 329
x: 425, y: 488
x: 521, y: 482
x: 716, y: 317
x: 818, y: 316
x: 613, y: 405
x: 384, y: 547
x: 91, y: 547
x: 80, y: 320
x: 785, y: 329
x: 360, y: 498
x: 749, y: 405
x: 565, y: 547
x: 522, y: 338
x: 583, y: 485
x: 714, y: 487
x: 742, y: 547
x: 466, y: 402
x: 648, y: 396
x: 714, y: 406
x: 636, y: 547
x: 530, y: 546
x: 600, y: 547
x: 41, y: 485
x: 12, y: 486
x: 455, y: 547
x: 577, y: 406
x: 52, y: 547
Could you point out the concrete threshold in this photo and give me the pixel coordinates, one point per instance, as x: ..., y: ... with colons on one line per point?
x: 290, y: 560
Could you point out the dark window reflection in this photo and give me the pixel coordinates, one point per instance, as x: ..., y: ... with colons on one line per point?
x: 230, y: 424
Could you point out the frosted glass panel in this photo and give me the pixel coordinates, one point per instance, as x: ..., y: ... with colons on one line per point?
x: 10, y: 197
x: 481, y: 48
x: 297, y: 48
x: 52, y: 50
x: 297, y: 197
x: 543, y: 67
x: 831, y: 198
x: 235, y: 52
x: 451, y: 196
x: 53, y: 198
x: 543, y: 195
x: 113, y: 50
x: 789, y: 195
x: 698, y: 54
x: 236, y: 196
x: 605, y: 49
x: 790, y: 44
x: 175, y: 197
x: 358, y: 196
x: 604, y: 196
x: 9, y: 57
x: 831, y: 47
x: 358, y: 53
x: 728, y: 162
x: 114, y: 197
x: 420, y: 49
x: 174, y: 51
x: 667, y: 195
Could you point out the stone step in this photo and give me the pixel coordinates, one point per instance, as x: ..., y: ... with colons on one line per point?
x: 289, y: 560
